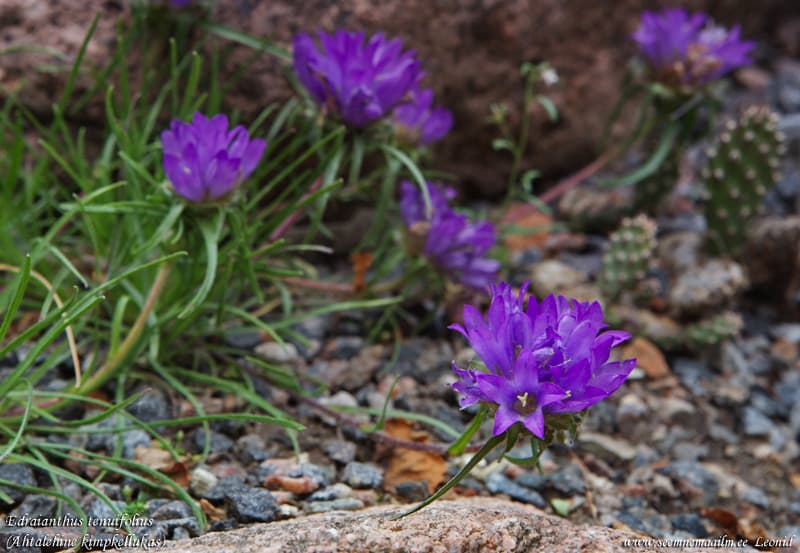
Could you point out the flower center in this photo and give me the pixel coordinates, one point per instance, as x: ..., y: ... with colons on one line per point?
x: 525, y: 405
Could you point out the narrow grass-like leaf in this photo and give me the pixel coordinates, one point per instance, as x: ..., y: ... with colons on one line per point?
x: 24, y: 275
x: 211, y: 230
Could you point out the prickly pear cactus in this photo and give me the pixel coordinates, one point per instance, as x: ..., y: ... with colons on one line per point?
x: 714, y: 330
x: 649, y: 194
x: 740, y: 167
x: 629, y: 256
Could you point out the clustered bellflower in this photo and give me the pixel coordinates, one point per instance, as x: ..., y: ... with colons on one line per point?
x: 419, y: 122
x: 360, y: 80
x: 690, y: 50
x: 448, y: 239
x: 204, y: 160
x: 541, y: 358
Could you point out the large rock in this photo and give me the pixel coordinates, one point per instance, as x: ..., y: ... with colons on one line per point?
x: 472, y: 51
x: 468, y: 525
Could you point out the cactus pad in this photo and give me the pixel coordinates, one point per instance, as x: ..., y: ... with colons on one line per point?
x: 740, y: 167
x: 629, y: 256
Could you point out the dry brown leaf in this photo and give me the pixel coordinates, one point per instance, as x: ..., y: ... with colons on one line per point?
x: 794, y: 478
x: 212, y: 512
x: 533, y: 226
x: 407, y: 465
x: 361, y: 264
x: 727, y: 521
x: 162, y: 461
x: 648, y: 357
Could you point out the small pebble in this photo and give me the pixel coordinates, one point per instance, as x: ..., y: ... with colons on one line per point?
x: 340, y: 451
x: 252, y: 505
x: 499, y: 483
x: 412, y: 491
x: 273, y: 352
x: 336, y: 491
x: 755, y: 423
x: 343, y: 504
x: 690, y: 523
x: 532, y: 480
x: 201, y: 481
x: 568, y: 481
x: 362, y: 475
x: 756, y: 496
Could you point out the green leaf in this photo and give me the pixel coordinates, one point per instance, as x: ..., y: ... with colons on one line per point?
x: 16, y: 300
x: 549, y: 107
x: 499, y: 144
x: 211, y: 230
x: 652, y: 164
x: 560, y: 506
x: 462, y: 442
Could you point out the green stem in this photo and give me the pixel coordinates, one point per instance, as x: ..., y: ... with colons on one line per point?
x: 113, y: 363
x: 477, y: 458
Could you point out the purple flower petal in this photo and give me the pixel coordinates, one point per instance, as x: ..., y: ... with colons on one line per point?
x: 359, y: 81
x: 204, y: 161
x: 548, y: 357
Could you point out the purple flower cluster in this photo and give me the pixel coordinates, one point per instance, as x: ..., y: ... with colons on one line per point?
x: 690, y: 50
x: 419, y: 122
x: 541, y: 358
x: 204, y: 160
x: 453, y: 244
x: 360, y: 80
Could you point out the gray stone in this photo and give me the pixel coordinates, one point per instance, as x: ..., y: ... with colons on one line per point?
x: 695, y: 375
x: 251, y: 448
x: 767, y: 405
x: 343, y: 347
x: 568, y: 481
x: 552, y: 276
x: 202, y: 480
x: 18, y: 473
x: 532, y: 480
x: 36, y: 506
x: 321, y: 475
x: 252, y: 505
x: 677, y: 411
x: 606, y: 447
x: 755, y: 423
x: 707, y: 287
x: 172, y: 510
x: 691, y: 523
x: 786, y: 331
x: 340, y: 451
x: 696, y: 475
x: 412, y: 491
x: 133, y: 439
x: 362, y: 475
x: 756, y: 496
x: 631, y: 409
x: 343, y: 504
x: 225, y: 486
x: 242, y: 338
x: 99, y: 509
x: 336, y: 491
x: 217, y: 442
x: 499, y: 483
x: 153, y: 405
x: 280, y: 354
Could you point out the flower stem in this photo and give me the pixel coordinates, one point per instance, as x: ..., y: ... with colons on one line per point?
x: 112, y: 363
x: 482, y: 452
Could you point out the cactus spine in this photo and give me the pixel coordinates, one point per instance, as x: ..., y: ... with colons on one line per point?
x: 740, y: 167
x: 629, y: 256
